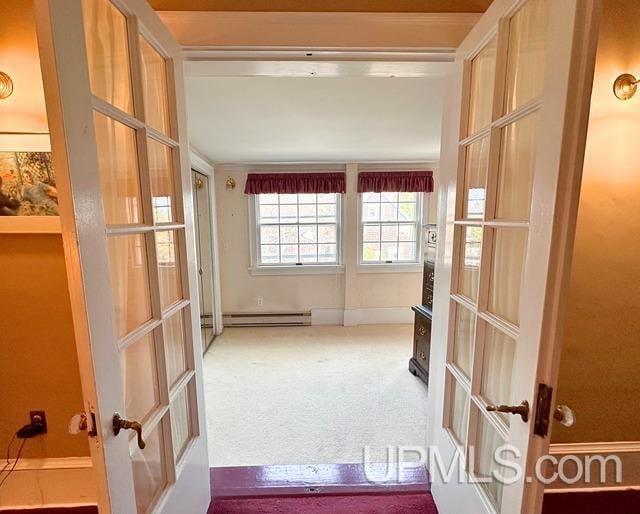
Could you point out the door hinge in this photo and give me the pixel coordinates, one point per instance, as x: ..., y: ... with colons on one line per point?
x: 543, y: 410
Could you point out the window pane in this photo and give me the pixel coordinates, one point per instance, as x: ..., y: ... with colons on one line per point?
x: 308, y: 253
x: 389, y: 233
x: 488, y: 441
x: 118, y: 164
x: 475, y: 177
x: 307, y: 198
x: 517, y: 161
x: 174, y: 342
x: 407, y: 252
x: 180, y: 423
x: 269, y: 214
x: 481, y: 90
x: 407, y: 232
x: 307, y: 213
x: 168, y: 268
x: 464, y: 336
x: 269, y: 254
x: 327, y: 213
x: 407, y: 212
x: 388, y: 251
x: 269, y: 235
x: 328, y: 253
x: 161, y: 176
x: 129, y: 282
x: 154, y: 86
x: 105, y: 29
x: 526, y: 54
x: 371, y: 233
x: 327, y: 198
x: 327, y: 234
x: 497, y: 367
x: 469, y: 265
x: 459, y: 410
x: 288, y: 213
x: 148, y: 469
x: 388, y: 197
x: 288, y: 234
x: 388, y: 211
x: 371, y: 252
x: 289, y: 253
x: 139, y: 378
x: 507, y: 264
x: 308, y: 234
x: 370, y: 212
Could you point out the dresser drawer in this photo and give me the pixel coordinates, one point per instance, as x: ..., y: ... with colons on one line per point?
x: 422, y: 340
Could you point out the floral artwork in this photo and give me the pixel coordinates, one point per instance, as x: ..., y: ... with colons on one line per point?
x: 27, y: 184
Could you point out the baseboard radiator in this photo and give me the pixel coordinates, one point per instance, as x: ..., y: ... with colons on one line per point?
x: 266, y: 319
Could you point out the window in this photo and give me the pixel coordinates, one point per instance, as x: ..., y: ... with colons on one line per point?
x: 390, y: 228
x: 297, y: 229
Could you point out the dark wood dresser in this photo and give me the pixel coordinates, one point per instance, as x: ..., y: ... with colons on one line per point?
x: 419, y: 363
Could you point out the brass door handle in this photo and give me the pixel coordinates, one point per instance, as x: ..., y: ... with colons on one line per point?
x: 120, y: 423
x: 521, y: 410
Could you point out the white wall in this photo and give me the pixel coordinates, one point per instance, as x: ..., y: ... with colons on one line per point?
x: 349, y: 290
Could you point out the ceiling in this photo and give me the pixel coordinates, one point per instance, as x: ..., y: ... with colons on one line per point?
x: 435, y: 6
x: 295, y: 119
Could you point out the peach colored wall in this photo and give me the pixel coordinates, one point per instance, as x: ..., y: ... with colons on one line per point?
x: 37, y: 348
x: 599, y: 375
x: 323, y: 5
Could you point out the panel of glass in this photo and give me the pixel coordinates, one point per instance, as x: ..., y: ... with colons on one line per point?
x: 168, y: 267
x: 469, y: 266
x: 149, y: 476
x: 483, y: 68
x: 463, y: 339
x: 161, y: 177
x: 475, y: 178
x: 139, y: 378
x: 459, y: 411
x: 154, y: 85
x: 180, y: 422
x: 526, y: 54
x: 129, y: 281
x: 118, y: 164
x: 507, y: 264
x: 174, y: 342
x: 517, y: 162
x: 485, y: 465
x: 497, y: 367
x: 105, y: 29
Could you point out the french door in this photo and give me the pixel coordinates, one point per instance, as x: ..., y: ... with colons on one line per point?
x: 114, y: 93
x: 513, y: 140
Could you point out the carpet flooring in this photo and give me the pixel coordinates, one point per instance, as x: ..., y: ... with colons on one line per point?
x: 312, y: 395
x: 369, y: 504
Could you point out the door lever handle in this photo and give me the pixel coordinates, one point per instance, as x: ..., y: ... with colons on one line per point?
x: 521, y: 410
x: 119, y: 423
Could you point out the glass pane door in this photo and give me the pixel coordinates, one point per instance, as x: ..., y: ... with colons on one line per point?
x: 498, y: 151
x: 138, y: 158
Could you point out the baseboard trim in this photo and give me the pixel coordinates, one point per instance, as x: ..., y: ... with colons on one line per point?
x: 354, y: 317
x: 50, y: 483
x: 627, y: 451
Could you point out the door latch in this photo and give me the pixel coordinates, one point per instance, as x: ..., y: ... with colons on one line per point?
x: 543, y: 410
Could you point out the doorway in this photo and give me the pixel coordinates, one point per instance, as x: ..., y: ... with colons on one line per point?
x: 204, y: 252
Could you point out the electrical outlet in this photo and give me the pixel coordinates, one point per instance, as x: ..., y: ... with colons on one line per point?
x: 38, y: 417
x: 260, y: 301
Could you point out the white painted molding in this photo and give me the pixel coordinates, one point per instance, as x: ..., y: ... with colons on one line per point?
x: 627, y: 451
x: 51, y: 482
x: 334, y: 317
x: 319, y: 30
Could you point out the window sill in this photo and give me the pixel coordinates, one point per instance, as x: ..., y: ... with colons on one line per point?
x: 413, y: 267
x: 329, y: 269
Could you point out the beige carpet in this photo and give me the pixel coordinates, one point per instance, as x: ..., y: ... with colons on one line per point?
x: 311, y: 395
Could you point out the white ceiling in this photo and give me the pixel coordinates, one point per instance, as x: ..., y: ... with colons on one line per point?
x: 296, y: 119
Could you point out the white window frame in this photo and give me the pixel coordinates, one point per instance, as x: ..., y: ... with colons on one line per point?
x: 258, y: 268
x: 393, y: 267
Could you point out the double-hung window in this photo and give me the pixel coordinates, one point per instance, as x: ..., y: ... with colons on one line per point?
x: 301, y: 229
x: 390, y: 228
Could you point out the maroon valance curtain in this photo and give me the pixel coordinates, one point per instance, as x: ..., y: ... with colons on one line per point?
x: 261, y: 183
x: 395, y: 181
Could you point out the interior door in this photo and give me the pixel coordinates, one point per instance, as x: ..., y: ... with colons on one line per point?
x: 513, y: 142
x: 204, y: 248
x: 114, y: 92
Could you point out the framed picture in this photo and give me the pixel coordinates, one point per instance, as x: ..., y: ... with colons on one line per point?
x: 28, y: 194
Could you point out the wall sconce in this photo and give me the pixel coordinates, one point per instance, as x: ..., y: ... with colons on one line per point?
x: 230, y: 183
x: 625, y: 86
x: 6, y: 85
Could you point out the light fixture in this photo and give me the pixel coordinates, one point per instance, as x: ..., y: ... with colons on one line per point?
x: 6, y: 85
x: 230, y: 183
x: 625, y: 86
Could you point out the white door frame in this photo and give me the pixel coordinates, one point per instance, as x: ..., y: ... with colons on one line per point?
x: 202, y: 165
